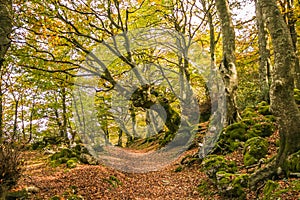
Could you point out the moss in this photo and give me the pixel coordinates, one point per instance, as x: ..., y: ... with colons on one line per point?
x: 249, y: 112
x: 72, y: 163
x: 114, y: 181
x: 214, y: 163
x: 293, y: 162
x: 179, y: 169
x: 236, y: 131
x: 263, y: 108
x: 263, y: 129
x: 21, y: 194
x: 255, y: 149
x: 297, y: 96
x: 269, y: 189
x: 231, y: 185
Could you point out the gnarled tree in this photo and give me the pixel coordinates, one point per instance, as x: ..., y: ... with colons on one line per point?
x: 228, y: 65
x: 283, y: 105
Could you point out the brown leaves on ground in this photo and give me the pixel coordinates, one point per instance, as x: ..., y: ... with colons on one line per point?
x: 93, y: 182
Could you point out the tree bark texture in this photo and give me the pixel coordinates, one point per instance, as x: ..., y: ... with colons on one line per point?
x: 5, y: 31
x: 283, y: 105
x: 264, y: 54
x: 228, y: 65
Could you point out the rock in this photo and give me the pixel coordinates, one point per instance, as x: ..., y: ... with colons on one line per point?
x: 72, y: 163
x: 32, y: 189
x: 255, y: 149
x: 215, y: 163
x: 293, y: 161
x: 231, y: 185
x: 88, y: 159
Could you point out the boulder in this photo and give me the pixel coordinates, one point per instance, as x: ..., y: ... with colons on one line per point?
x: 255, y: 149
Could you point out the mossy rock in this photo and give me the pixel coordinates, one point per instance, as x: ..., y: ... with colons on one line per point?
x: 263, y: 108
x: 80, y: 148
x: 293, y: 162
x: 72, y: 163
x: 236, y: 131
x: 263, y: 129
x: 249, y: 112
x: 214, y: 163
x: 231, y: 185
x: 64, y: 153
x: 255, y: 149
x: 269, y: 189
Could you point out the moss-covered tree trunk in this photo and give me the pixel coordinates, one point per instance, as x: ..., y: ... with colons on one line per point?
x: 228, y: 65
x: 5, y: 31
x: 264, y: 54
x: 283, y: 105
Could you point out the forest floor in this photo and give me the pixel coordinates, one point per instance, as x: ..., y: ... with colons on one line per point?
x: 101, y: 182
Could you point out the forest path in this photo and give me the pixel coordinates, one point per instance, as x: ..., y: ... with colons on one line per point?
x: 100, y: 182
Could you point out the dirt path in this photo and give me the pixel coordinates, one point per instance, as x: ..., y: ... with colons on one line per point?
x: 99, y: 182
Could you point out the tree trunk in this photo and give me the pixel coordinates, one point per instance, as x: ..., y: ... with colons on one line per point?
x: 264, y: 54
x: 287, y: 7
x: 5, y: 31
x: 228, y: 65
x: 283, y: 104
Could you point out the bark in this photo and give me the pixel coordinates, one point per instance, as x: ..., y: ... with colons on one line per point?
x: 282, y: 100
x: 290, y: 20
x: 228, y: 65
x: 5, y: 31
x: 264, y: 54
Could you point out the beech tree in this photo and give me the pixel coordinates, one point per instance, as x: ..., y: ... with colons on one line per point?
x: 228, y: 65
x: 5, y: 31
x: 283, y: 104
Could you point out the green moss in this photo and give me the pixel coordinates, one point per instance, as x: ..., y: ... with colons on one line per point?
x: 293, y: 162
x: 297, y: 96
x: 72, y: 163
x: 263, y: 129
x: 21, y: 194
x: 249, y: 112
x: 255, y: 149
x: 179, y: 169
x: 231, y: 185
x: 214, y: 163
x: 269, y: 189
x: 263, y: 108
x: 114, y: 181
x: 236, y: 131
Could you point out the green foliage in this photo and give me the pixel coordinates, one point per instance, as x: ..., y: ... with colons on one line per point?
x: 255, y: 149
x: 215, y: 163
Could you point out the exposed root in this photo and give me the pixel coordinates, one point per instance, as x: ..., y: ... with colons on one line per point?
x: 263, y: 174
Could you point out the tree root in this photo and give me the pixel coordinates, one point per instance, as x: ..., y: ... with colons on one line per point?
x: 259, y: 176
